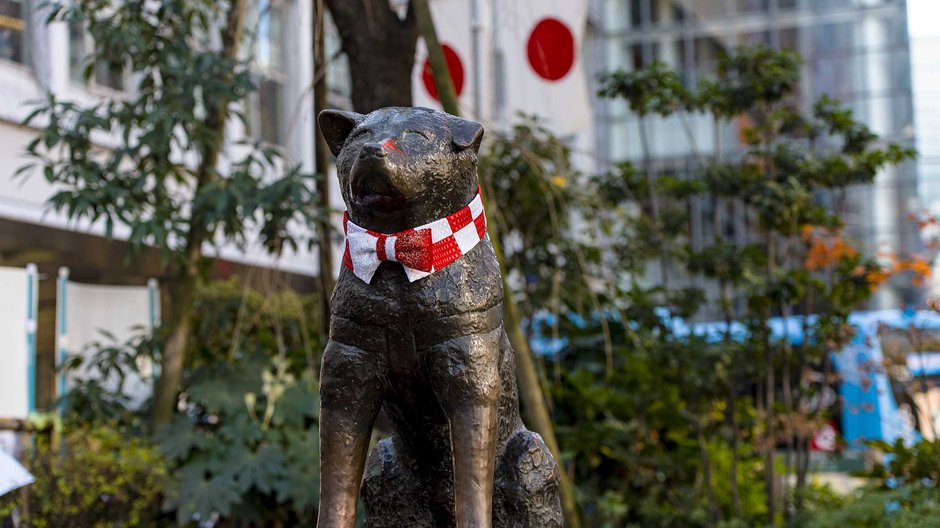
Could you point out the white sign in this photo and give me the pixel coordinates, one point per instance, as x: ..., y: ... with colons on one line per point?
x: 14, y: 349
x: 12, y: 474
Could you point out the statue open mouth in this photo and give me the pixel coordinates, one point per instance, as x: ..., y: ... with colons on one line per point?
x: 372, y: 188
x: 381, y: 202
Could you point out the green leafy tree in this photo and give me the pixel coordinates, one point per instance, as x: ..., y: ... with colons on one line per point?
x: 682, y: 424
x: 169, y: 175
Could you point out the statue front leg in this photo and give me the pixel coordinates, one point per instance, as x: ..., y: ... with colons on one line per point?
x: 464, y: 374
x: 352, y: 385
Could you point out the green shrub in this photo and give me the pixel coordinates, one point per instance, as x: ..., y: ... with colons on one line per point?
x: 904, y: 492
x: 96, y: 478
x: 244, y: 449
x: 247, y: 447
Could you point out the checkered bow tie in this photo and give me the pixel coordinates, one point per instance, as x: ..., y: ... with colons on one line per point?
x: 421, y: 250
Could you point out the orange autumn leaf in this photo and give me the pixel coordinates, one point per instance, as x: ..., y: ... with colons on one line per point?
x: 826, y: 247
x: 920, y: 266
x: 876, y: 278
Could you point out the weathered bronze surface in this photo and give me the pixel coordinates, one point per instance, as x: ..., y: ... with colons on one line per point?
x: 433, y: 353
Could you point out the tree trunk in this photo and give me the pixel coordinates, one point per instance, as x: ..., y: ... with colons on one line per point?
x: 770, y: 475
x: 324, y: 244
x: 714, y: 508
x: 171, y: 371
x: 381, y: 49
x: 653, y: 201
x: 735, y: 441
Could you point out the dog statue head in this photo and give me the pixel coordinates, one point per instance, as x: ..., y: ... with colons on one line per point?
x: 402, y: 167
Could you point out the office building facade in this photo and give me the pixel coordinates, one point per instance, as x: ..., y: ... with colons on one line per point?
x: 856, y: 51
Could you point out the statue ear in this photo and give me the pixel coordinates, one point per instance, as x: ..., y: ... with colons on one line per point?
x: 335, y: 125
x: 466, y: 133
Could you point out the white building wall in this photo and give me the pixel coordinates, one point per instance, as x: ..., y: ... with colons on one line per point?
x: 21, y: 86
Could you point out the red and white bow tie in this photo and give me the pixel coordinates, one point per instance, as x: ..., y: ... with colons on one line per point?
x: 421, y: 250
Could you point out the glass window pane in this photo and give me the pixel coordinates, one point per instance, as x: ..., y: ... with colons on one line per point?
x: 270, y: 115
x: 77, y: 52
x: 839, y: 76
x: 13, y: 30
x: 103, y: 74
x: 707, y: 51
x: 270, y: 39
x: 754, y: 38
x: 106, y: 75
x: 268, y: 61
x: 751, y: 6
x: 835, y: 36
x: 790, y: 39
x: 702, y: 9
x: 636, y: 13
x: 337, y: 78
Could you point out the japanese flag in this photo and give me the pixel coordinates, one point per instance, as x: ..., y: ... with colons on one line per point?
x: 541, y: 43
x: 454, y: 32
x: 529, y: 61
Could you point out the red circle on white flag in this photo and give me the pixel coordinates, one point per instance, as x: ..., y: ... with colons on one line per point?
x: 454, y: 65
x: 551, y: 49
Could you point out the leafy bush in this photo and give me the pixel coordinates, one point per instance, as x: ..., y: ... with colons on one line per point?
x: 633, y: 439
x: 98, y: 478
x: 905, y: 491
x: 244, y: 448
x: 247, y: 446
x: 908, y: 506
x: 231, y: 321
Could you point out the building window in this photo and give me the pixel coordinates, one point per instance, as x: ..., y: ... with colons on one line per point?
x: 636, y: 13
x: 266, y: 107
x: 337, y: 76
x: 102, y: 73
x: 752, y: 6
x: 13, y: 16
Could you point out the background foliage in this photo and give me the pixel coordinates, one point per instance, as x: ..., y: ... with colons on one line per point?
x: 242, y: 448
x: 659, y: 428
x: 96, y: 477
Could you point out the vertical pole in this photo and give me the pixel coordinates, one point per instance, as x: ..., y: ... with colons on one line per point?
x: 154, y: 308
x: 32, y: 307
x: 439, y: 69
x: 476, y: 27
x: 62, y: 336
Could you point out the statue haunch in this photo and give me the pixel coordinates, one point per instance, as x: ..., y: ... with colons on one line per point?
x: 417, y: 329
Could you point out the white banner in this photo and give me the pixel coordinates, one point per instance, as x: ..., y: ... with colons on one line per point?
x: 541, y: 43
x: 16, y: 325
x: 530, y: 61
x: 89, y: 310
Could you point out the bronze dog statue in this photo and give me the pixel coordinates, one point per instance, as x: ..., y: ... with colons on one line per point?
x: 417, y: 329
